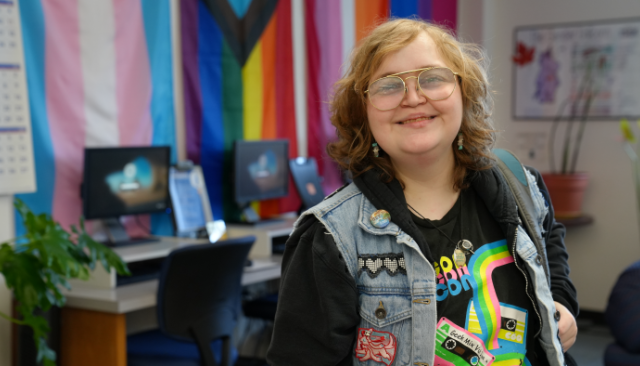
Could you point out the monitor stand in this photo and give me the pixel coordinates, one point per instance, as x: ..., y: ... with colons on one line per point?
x: 251, y: 217
x: 118, y: 235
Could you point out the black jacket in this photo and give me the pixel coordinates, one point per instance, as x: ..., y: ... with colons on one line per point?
x: 317, y: 312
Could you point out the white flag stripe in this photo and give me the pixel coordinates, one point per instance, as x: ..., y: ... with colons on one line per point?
x: 97, y: 55
x: 348, y: 19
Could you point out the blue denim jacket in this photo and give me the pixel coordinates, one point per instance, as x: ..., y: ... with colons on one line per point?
x: 410, y: 299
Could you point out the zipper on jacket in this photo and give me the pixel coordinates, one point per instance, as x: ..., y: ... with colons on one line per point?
x: 526, y: 282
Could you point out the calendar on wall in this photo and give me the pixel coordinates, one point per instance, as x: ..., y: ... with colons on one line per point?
x: 17, y: 170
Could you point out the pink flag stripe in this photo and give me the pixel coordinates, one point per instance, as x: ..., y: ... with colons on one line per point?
x: 329, y: 31
x: 492, y: 339
x: 65, y: 105
x: 133, y: 86
x: 445, y: 12
x: 133, y: 75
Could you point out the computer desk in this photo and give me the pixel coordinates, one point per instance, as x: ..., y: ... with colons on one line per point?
x: 93, y: 322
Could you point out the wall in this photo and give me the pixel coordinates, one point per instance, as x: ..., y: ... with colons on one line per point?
x: 599, y: 252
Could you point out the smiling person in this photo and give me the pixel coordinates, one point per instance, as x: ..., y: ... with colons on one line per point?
x: 423, y: 259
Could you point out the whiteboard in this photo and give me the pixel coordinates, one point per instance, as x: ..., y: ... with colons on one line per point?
x: 17, y: 171
x: 552, y: 62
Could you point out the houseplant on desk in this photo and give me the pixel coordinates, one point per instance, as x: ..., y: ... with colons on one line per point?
x: 36, y: 264
x: 566, y: 186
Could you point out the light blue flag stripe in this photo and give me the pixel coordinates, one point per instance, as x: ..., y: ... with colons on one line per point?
x: 32, y: 18
x: 157, y: 27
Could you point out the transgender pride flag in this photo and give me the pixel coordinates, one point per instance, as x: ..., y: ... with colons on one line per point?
x: 99, y: 74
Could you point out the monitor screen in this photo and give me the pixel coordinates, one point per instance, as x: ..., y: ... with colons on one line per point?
x: 125, y: 181
x: 305, y: 175
x: 261, y: 170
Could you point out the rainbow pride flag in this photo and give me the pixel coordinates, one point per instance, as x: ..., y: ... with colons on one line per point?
x: 99, y: 73
x: 263, y: 69
x: 238, y: 84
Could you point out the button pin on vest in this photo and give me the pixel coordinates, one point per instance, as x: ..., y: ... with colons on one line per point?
x: 380, y: 312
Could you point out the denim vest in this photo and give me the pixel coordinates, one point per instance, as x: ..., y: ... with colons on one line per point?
x: 408, y: 293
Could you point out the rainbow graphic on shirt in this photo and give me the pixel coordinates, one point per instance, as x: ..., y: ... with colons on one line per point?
x: 512, y: 333
x: 500, y: 327
x: 456, y: 346
x: 485, y: 301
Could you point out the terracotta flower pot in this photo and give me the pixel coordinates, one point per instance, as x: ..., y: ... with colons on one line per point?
x: 567, y: 193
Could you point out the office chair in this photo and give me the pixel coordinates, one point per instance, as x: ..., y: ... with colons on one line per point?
x: 622, y: 318
x: 264, y: 309
x: 199, y: 300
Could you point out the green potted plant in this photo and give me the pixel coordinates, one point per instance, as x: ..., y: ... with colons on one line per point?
x: 37, y: 264
x: 566, y: 185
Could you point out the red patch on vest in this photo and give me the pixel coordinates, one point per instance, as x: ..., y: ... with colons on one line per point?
x: 376, y: 345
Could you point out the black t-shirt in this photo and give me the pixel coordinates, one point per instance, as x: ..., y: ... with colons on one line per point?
x: 469, y: 297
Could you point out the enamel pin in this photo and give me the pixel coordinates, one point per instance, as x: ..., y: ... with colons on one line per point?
x: 380, y: 219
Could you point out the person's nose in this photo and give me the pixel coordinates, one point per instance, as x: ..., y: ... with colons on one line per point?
x: 413, y: 96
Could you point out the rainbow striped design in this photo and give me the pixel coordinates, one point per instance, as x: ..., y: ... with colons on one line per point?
x: 485, y: 301
x: 100, y: 74
x: 262, y: 69
x: 238, y: 77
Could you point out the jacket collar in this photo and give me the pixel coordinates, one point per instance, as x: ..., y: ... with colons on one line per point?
x: 388, y: 197
x: 489, y: 184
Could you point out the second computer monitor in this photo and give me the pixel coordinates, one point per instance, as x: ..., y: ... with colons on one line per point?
x: 308, y: 183
x: 261, y: 170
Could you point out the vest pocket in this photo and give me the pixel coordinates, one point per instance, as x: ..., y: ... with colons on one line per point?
x: 382, y: 310
x: 385, y: 313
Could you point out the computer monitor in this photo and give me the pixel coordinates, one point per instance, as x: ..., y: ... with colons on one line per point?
x: 308, y: 183
x: 261, y: 172
x: 120, y: 181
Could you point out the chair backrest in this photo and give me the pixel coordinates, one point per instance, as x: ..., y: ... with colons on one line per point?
x: 199, y: 293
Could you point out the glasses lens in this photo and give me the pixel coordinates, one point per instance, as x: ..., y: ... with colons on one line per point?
x: 437, y: 84
x: 386, y: 93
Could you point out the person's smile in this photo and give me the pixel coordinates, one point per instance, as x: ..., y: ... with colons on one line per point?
x: 415, y: 119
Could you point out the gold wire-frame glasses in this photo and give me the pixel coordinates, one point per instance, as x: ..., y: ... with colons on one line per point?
x: 439, y: 82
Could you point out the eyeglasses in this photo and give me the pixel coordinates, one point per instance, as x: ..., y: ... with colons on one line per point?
x: 435, y: 83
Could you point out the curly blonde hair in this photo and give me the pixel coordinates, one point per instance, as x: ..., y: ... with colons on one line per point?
x: 352, y: 150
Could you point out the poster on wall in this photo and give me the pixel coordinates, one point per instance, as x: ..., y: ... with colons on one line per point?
x: 588, y: 70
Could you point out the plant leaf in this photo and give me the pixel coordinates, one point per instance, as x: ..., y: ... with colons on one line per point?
x: 23, y: 275
x: 45, y: 354
x: 627, y: 132
x: 41, y: 262
x: 104, y: 254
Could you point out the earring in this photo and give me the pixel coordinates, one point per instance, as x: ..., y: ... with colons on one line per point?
x: 460, y: 141
x: 376, y: 149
